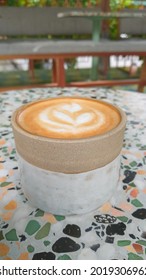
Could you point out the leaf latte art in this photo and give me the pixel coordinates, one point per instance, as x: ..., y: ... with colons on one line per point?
x: 68, y: 118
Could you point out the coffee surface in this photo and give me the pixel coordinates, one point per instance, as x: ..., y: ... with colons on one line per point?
x: 68, y: 118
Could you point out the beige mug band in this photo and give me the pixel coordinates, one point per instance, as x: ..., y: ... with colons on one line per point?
x: 69, y: 156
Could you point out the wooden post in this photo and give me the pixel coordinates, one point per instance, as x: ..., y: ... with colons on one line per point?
x: 31, y: 68
x: 142, y: 81
x: 105, y: 7
x: 58, y: 72
x: 3, y: 2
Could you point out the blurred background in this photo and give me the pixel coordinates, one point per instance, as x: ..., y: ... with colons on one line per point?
x: 16, y: 72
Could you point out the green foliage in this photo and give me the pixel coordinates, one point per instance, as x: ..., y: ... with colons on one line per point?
x: 71, y: 3
x: 120, y: 4
x: 114, y: 4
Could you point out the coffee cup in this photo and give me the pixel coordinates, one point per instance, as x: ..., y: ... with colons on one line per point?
x: 69, y: 152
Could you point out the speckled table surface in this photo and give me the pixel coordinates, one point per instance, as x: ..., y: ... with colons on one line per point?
x: 115, y: 231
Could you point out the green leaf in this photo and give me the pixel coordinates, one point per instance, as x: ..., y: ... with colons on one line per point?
x: 123, y: 218
x: 133, y: 164
x: 43, y: 232
x: 64, y: 257
x: 46, y: 243
x: 11, y: 235
x: 39, y: 213
x: 136, y: 203
x: 132, y: 185
x: 127, y: 167
x: 59, y: 218
x: 5, y: 184
x: 141, y: 242
x: 30, y: 248
x: 32, y: 227
x: 123, y: 243
x: 132, y: 256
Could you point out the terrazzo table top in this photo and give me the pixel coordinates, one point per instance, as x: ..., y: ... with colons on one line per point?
x: 115, y: 231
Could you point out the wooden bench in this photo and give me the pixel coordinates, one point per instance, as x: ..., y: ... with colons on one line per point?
x: 24, y: 33
x: 135, y: 27
x: 19, y: 25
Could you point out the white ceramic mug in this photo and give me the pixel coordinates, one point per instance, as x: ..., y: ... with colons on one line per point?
x: 69, y: 176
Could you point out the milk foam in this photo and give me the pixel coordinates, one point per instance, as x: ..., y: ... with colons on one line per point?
x: 73, y: 107
x: 64, y: 118
x: 68, y: 118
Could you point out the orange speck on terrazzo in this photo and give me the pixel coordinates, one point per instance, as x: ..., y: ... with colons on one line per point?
x: 138, y: 248
x: 7, y: 259
x: 18, y: 244
x: 1, y: 158
x: 11, y: 205
x: 116, y: 212
x: 2, y: 142
x: 7, y: 216
x: 11, y: 172
x: 49, y: 218
x: 128, y: 188
x: 141, y: 172
x: 126, y: 206
x: 24, y: 256
x: 4, y: 249
x: 1, y: 166
x: 3, y: 193
x: 3, y: 179
x: 130, y: 248
x: 106, y: 207
x: 134, y: 192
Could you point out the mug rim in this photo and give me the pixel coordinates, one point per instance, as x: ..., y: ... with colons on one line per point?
x: 112, y: 131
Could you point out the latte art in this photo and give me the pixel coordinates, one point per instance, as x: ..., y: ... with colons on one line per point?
x: 68, y: 118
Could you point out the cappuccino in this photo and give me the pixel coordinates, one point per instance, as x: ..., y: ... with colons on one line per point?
x: 69, y: 152
x: 68, y: 118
